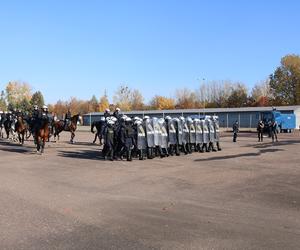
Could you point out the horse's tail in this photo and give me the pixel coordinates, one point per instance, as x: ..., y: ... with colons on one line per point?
x: 92, y: 127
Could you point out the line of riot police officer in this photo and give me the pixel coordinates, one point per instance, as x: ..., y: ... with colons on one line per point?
x: 151, y: 137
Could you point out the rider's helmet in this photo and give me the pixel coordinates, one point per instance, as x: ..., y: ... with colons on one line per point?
x: 35, y: 107
x: 45, y: 108
x: 118, y: 109
x: 107, y: 110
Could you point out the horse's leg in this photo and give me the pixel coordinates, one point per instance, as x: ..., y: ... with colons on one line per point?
x: 19, y: 137
x: 96, y: 135
x: 43, y: 144
x: 37, y: 140
x: 23, y: 135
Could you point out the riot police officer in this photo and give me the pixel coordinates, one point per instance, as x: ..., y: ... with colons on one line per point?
x: 260, y: 128
x: 109, y: 133
x: 235, y: 129
x: 274, y: 131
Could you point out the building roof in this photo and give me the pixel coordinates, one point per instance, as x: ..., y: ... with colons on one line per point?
x: 208, y: 110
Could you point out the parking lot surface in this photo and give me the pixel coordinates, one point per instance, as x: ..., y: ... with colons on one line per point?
x: 246, y: 196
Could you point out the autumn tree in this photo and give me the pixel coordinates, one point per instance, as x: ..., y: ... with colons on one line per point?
x: 2, y: 101
x: 136, y: 100
x: 104, y: 103
x: 37, y: 99
x: 122, y: 98
x: 186, y: 99
x: 16, y: 92
x: 285, y: 81
x: 261, y: 93
x: 161, y: 103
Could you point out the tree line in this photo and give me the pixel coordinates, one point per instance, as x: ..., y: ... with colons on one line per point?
x: 281, y: 88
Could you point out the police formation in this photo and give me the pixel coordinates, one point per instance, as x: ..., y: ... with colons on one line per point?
x: 156, y: 137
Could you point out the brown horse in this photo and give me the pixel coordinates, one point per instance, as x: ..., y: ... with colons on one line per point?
x: 21, y: 128
x: 41, y: 135
x: 59, y: 126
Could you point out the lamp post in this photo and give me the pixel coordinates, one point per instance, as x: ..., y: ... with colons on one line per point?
x: 202, y: 94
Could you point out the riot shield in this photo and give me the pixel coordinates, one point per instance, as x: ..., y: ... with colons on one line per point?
x: 172, y: 131
x: 157, y: 132
x: 217, y: 129
x: 204, y: 125
x: 211, y: 130
x: 192, y: 130
x: 149, y: 133
x: 185, y: 132
x: 141, y: 137
x: 199, y: 131
x: 164, y: 133
x: 178, y: 128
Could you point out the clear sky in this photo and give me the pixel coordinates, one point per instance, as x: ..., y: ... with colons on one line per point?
x: 79, y: 48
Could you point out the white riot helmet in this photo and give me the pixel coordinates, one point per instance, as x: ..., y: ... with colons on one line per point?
x: 146, y: 117
x: 107, y: 110
x: 118, y: 109
x: 35, y: 107
x: 45, y: 107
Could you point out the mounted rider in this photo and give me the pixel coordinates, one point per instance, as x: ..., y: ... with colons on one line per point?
x: 34, y: 118
x: 44, y: 114
x: 106, y: 113
x: 117, y: 114
x: 68, y: 117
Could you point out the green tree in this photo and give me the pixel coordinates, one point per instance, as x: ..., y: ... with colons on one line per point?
x: 238, y: 96
x: 37, y: 99
x: 24, y: 105
x: 285, y: 81
x: 94, y: 104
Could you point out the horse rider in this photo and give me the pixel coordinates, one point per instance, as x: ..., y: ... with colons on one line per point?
x: 235, y: 129
x: 117, y: 114
x: 260, y: 129
x: 67, y: 119
x: 106, y: 113
x: 34, y: 118
x: 44, y: 114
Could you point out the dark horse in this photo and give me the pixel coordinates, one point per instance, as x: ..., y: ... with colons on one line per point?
x: 9, y: 126
x: 99, y: 130
x: 59, y: 126
x: 21, y: 128
x: 41, y: 134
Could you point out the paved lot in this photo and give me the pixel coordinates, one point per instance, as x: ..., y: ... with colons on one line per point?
x: 244, y: 197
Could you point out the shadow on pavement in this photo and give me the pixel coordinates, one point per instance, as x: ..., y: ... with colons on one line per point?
x: 83, y: 154
x: 270, y: 144
x: 225, y: 157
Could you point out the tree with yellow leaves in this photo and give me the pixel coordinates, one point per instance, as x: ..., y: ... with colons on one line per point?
x: 161, y: 102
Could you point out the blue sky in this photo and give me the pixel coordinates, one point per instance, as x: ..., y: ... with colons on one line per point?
x: 80, y: 48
